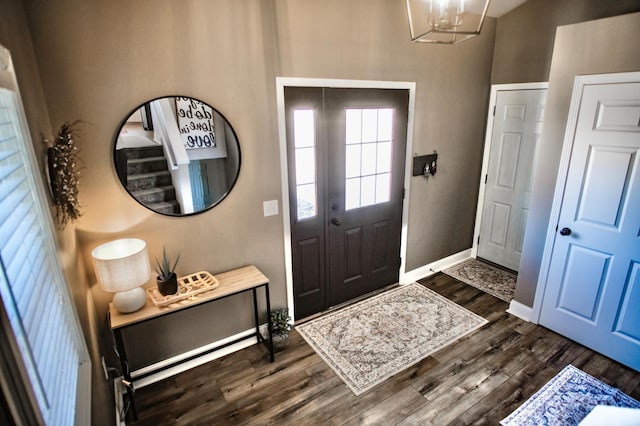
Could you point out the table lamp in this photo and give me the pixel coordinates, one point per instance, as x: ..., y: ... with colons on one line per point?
x: 122, y: 266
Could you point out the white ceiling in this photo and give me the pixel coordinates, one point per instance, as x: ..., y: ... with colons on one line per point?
x: 498, y: 8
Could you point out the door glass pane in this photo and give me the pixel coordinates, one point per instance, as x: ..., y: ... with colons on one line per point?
x: 384, y: 157
x: 368, y: 191
x: 368, y: 159
x: 354, y: 126
x: 353, y: 161
x: 305, y: 165
x: 385, y: 121
x: 383, y: 187
x: 304, y: 128
x: 369, y: 125
x: 369, y: 136
x: 352, y: 193
x: 305, y: 162
x: 306, y: 201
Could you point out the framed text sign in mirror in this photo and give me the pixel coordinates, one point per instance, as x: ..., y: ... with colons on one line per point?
x: 177, y: 155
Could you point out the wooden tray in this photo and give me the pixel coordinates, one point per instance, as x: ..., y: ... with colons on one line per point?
x: 188, y: 286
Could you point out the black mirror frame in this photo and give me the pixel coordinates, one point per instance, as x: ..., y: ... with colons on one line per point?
x: 118, y: 166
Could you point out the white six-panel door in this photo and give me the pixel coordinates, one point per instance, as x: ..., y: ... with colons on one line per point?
x: 592, y: 288
x: 517, y: 127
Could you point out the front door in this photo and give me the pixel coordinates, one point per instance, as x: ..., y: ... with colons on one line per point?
x: 346, y: 150
x: 592, y: 290
x: 517, y: 126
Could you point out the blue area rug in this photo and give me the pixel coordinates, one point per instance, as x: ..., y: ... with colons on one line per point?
x: 566, y: 400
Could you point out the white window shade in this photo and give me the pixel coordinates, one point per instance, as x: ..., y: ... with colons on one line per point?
x: 32, y: 287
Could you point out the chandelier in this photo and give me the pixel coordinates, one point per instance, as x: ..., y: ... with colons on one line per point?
x: 445, y: 21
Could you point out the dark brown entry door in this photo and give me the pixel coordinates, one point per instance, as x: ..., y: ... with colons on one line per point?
x: 346, y: 150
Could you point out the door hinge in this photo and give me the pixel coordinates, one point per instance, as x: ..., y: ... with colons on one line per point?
x: 478, y: 240
x: 399, y: 262
x: 404, y: 191
x: 486, y: 177
x: 556, y: 228
x: 494, y: 110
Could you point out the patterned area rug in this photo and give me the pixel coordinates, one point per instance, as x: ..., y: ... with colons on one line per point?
x: 566, y: 400
x: 370, y: 341
x: 495, y: 281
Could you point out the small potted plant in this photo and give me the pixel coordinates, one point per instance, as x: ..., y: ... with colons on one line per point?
x: 281, y: 324
x: 167, y: 279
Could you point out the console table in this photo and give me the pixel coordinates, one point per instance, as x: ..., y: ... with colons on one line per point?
x: 233, y: 282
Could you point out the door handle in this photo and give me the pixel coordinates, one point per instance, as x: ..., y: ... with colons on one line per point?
x: 336, y: 221
x: 565, y: 231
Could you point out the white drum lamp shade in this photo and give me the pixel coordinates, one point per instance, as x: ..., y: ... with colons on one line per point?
x: 122, y: 266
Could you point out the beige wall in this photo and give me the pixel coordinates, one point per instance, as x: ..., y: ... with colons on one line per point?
x: 99, y: 59
x: 602, y: 46
x: 525, y: 36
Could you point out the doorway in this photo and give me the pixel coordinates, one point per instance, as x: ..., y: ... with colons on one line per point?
x: 346, y: 151
x: 514, y: 127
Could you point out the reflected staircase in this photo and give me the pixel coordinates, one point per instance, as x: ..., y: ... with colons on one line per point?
x: 148, y: 178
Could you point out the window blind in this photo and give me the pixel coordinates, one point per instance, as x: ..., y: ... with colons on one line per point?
x: 32, y: 287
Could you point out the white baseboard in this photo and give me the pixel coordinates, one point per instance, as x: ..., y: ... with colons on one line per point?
x: 156, y: 377
x: 521, y: 311
x: 434, y: 267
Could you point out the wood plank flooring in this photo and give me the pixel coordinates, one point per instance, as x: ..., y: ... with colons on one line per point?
x: 478, y: 380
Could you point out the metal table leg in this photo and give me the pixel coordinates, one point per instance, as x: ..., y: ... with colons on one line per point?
x: 255, y: 314
x: 125, y: 372
x: 269, y: 324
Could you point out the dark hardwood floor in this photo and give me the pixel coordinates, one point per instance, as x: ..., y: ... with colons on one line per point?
x: 477, y: 380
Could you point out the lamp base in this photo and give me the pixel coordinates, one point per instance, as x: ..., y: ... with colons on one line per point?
x: 130, y: 300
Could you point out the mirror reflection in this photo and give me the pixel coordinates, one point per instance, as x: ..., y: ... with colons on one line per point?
x: 177, y: 155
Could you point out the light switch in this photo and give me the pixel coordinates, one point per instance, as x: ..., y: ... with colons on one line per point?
x: 270, y: 208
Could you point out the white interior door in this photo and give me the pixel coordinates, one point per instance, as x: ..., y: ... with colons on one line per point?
x: 592, y: 288
x: 517, y: 127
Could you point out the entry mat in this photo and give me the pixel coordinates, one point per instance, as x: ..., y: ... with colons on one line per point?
x: 494, y: 281
x: 370, y: 341
x: 567, y: 399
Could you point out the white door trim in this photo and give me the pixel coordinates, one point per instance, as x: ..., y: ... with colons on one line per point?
x: 281, y: 82
x: 493, y: 98
x: 558, y: 195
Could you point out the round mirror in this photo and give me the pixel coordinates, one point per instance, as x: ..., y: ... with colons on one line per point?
x: 177, y: 155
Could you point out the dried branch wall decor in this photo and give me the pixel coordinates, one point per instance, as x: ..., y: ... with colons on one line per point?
x: 64, y: 175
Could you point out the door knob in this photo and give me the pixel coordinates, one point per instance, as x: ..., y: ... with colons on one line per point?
x: 565, y: 231
x: 335, y: 221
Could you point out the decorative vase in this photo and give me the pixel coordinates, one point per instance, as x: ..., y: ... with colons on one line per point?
x: 280, y: 340
x: 169, y: 286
